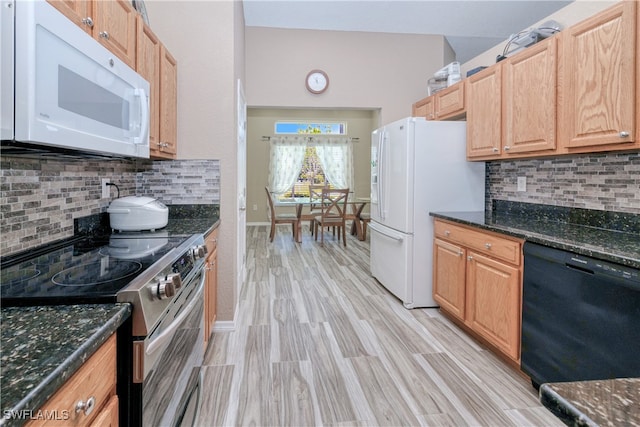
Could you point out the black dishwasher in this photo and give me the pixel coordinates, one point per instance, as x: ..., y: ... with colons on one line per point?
x: 580, y: 317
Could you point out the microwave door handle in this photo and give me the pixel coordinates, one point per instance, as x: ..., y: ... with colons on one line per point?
x: 144, y: 113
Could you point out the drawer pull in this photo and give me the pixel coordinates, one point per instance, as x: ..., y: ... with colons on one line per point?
x: 447, y: 232
x: 86, y: 407
x: 487, y: 245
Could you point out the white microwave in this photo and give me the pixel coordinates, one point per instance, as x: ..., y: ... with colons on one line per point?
x: 62, y: 91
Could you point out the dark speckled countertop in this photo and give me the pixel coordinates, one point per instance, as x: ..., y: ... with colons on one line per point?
x: 43, y: 346
x: 605, y: 235
x: 614, y: 403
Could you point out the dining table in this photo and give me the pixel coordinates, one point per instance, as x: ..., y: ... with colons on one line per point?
x: 356, y: 205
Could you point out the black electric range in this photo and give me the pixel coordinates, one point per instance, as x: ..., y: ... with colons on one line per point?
x: 82, y: 270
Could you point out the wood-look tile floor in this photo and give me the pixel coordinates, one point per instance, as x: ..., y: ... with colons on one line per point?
x: 320, y: 343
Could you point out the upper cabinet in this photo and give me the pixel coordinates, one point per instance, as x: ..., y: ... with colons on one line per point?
x: 446, y: 104
x: 111, y: 22
x: 168, y: 105
x: 484, y: 113
x: 575, y: 92
x: 597, y: 82
x: 148, y: 66
x: 529, y: 99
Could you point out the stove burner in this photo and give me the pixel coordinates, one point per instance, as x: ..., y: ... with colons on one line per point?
x: 104, y: 271
x: 20, y: 276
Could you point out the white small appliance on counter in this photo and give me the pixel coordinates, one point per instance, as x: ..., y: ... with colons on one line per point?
x: 137, y: 213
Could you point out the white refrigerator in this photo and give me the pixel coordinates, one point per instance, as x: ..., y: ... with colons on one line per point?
x: 417, y: 167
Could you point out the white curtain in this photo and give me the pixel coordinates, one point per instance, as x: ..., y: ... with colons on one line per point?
x: 336, y: 156
x: 285, y: 161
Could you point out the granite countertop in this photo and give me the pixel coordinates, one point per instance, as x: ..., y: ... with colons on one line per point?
x: 614, y: 402
x: 561, y: 228
x: 42, y: 347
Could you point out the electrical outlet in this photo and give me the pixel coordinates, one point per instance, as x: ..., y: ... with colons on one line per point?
x: 255, y: 207
x: 522, y: 183
x: 105, y: 188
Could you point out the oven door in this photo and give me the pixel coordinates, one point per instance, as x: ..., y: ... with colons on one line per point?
x: 173, y: 354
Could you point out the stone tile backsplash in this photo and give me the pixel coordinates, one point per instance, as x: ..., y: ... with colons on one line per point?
x: 608, y: 182
x: 39, y: 198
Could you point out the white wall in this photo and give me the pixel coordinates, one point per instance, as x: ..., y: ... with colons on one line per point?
x: 366, y: 70
x: 207, y: 40
x: 569, y: 15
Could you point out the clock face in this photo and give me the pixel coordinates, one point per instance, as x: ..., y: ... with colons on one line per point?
x: 317, y: 81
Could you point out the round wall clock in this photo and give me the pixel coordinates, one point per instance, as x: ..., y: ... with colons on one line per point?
x: 317, y: 81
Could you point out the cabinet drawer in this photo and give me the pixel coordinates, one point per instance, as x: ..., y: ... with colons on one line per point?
x: 212, y: 241
x: 95, y: 379
x: 484, y: 242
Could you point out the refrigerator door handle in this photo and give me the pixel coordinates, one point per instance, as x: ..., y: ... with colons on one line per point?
x: 381, y: 177
x: 395, y: 236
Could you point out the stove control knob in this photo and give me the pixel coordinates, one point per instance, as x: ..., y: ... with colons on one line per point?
x: 163, y: 289
x: 199, y: 251
x: 175, y: 279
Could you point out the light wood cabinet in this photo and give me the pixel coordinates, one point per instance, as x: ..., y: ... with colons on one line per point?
x: 449, y: 102
x: 484, y: 113
x: 211, y: 288
x: 597, y: 79
x: 477, y: 279
x: 96, y: 380
x: 449, y: 264
x: 424, y: 108
x: 168, y: 136
x: 111, y: 22
x: 148, y: 66
x: 446, y: 104
x: 529, y: 100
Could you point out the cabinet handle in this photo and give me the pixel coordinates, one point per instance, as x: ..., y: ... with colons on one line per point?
x: 507, y: 148
x: 487, y: 245
x: 460, y: 253
x: 470, y: 258
x: 86, y: 407
x: 104, y: 35
x: 495, y: 150
x: 88, y: 21
x: 624, y: 134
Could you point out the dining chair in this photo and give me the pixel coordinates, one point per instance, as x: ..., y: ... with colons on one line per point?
x: 333, y: 213
x: 283, y: 218
x: 315, y: 193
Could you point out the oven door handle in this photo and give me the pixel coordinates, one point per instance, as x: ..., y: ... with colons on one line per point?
x: 168, y: 333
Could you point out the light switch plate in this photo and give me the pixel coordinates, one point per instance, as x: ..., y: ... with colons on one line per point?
x: 105, y: 188
x: 522, y: 183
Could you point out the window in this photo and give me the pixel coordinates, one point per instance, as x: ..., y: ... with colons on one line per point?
x: 305, y: 153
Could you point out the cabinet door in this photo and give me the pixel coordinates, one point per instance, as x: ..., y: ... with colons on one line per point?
x: 78, y: 11
x: 424, y: 108
x: 449, y: 277
x: 168, y: 104
x: 529, y: 98
x: 148, y: 66
x: 115, y: 28
x: 211, y: 284
x: 597, y: 80
x: 484, y: 115
x: 450, y: 102
x: 108, y: 417
x: 493, y: 302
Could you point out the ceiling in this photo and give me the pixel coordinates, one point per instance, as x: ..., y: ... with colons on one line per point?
x: 470, y: 26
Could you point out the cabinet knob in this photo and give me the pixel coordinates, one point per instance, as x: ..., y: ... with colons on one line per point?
x: 460, y: 253
x: 624, y: 134
x: 507, y: 148
x: 86, y: 407
x: 495, y: 150
x: 470, y: 258
x: 487, y: 245
x: 88, y: 21
x: 104, y: 35
x: 447, y: 232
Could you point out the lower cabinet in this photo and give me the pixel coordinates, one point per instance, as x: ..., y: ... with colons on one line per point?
x: 89, y: 397
x: 477, y: 279
x: 211, y: 285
